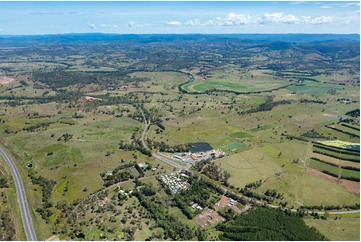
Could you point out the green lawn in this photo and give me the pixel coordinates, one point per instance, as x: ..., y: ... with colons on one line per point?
x: 233, y: 146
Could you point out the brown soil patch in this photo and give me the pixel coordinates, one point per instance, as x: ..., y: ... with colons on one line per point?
x: 351, y: 186
x: 322, y: 175
x: 226, y: 201
x: 289, y: 95
x: 6, y: 80
x: 91, y: 99
x: 210, y: 216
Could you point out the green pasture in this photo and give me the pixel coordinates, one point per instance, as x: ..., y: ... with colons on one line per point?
x: 336, y: 154
x: 350, y: 173
x: 337, y: 135
x: 343, y: 229
x: 233, y: 79
x: 336, y: 161
x: 300, y: 188
x: 241, y: 135
x: 216, y: 85
x: 233, y: 146
x: 262, y: 128
x: 324, y: 167
x: 315, y: 88
x: 248, y: 166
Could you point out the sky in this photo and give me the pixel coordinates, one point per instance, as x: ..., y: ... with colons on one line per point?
x: 29, y: 18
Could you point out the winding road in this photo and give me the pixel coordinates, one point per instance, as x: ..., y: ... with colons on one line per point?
x: 155, y: 155
x: 23, y: 202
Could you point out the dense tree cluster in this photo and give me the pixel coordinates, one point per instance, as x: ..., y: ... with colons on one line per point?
x: 3, y: 182
x: 119, y: 174
x: 173, y: 228
x: 267, y: 105
x: 7, y: 228
x: 216, y: 172
x: 354, y: 113
x: 46, y: 188
x: 163, y: 147
x: 198, y: 194
x: 267, y: 224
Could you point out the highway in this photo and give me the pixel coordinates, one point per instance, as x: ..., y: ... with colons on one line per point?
x: 158, y: 156
x: 23, y: 202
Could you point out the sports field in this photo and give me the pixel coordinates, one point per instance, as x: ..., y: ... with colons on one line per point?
x: 233, y: 146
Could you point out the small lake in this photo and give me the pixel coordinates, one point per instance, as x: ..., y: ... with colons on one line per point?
x: 199, y: 147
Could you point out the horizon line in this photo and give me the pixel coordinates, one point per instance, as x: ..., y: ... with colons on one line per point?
x: 84, y: 33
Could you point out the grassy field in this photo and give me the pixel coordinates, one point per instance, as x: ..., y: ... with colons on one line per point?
x: 248, y: 166
x: 343, y: 229
x: 350, y: 173
x: 241, y: 135
x: 233, y: 146
x: 324, y: 167
x: 300, y: 188
x: 336, y: 154
x: 235, y: 80
x: 336, y: 161
x: 315, y: 88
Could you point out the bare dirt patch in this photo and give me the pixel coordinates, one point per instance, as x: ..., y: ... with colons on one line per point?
x: 6, y: 80
x: 91, y: 99
x: 210, y: 216
x: 350, y: 186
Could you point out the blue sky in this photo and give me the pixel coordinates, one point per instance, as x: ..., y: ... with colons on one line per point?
x: 179, y: 17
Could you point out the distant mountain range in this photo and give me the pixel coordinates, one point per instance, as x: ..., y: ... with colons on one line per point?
x: 148, y: 38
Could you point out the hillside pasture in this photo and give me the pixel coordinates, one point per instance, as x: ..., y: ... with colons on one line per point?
x: 300, y: 188
x: 232, y: 79
x: 342, y: 229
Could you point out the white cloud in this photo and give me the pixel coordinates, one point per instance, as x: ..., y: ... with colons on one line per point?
x: 174, y: 23
x: 326, y: 6
x: 321, y: 20
x: 102, y: 26
x: 194, y: 22
x: 346, y: 21
x: 93, y: 26
x: 234, y: 19
x: 115, y: 26
x: 237, y: 19
x: 132, y: 24
x: 278, y: 18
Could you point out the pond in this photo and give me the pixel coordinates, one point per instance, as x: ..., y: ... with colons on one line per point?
x: 199, y: 147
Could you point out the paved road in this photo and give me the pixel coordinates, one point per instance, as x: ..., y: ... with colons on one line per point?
x: 23, y: 202
x: 158, y: 156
